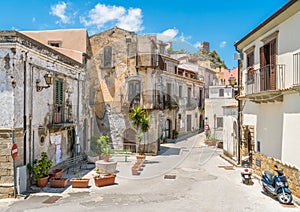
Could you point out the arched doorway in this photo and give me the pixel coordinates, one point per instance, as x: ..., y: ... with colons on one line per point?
x: 168, y: 128
x: 129, y: 140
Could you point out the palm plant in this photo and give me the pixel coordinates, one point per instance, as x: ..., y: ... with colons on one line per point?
x: 141, y: 120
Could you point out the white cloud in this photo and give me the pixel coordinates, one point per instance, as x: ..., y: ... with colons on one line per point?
x: 102, y: 14
x: 167, y: 35
x: 33, y: 19
x: 132, y: 20
x: 197, y: 44
x: 223, y: 44
x: 59, y: 10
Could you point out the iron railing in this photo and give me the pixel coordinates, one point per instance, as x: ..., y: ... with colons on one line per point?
x: 60, y: 114
x: 260, y: 79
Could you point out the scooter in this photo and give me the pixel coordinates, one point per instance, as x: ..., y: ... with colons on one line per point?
x: 276, y: 185
x: 246, y: 171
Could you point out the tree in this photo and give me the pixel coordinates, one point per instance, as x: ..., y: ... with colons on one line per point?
x: 141, y: 120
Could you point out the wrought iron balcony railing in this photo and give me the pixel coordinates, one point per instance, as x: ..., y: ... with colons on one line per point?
x: 267, y: 78
x: 61, y: 114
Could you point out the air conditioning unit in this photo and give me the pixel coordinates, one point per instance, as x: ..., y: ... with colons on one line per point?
x: 21, y: 179
x: 238, y: 56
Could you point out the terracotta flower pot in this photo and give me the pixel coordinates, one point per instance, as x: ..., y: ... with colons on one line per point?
x: 106, y: 158
x: 57, y: 173
x: 140, y: 157
x: 58, y: 182
x: 42, y: 182
x: 105, y: 180
x: 79, y: 182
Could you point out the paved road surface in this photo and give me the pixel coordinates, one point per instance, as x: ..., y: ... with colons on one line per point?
x: 204, y: 182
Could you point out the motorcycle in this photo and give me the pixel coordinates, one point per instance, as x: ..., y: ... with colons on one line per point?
x: 276, y: 185
x: 246, y: 172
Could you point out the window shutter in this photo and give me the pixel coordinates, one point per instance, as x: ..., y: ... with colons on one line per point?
x: 262, y: 64
x: 273, y: 52
x: 107, y: 57
x: 59, y: 92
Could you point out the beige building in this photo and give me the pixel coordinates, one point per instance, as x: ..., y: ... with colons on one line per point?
x: 130, y: 69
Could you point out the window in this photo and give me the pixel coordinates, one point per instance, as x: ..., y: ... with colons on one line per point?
x: 134, y: 90
x: 189, y: 96
x: 250, y: 59
x: 221, y: 92
x: 169, y: 92
x: 59, y: 91
x: 180, y: 91
x: 258, y: 146
x: 54, y: 43
x: 107, y: 57
x: 219, y: 122
x: 58, y: 100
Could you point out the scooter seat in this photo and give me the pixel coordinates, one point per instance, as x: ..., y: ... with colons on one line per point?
x: 270, y: 177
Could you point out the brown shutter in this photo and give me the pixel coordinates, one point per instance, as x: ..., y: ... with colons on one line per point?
x: 273, y: 52
x: 262, y: 64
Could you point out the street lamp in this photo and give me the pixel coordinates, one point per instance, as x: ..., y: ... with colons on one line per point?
x: 48, y: 79
x: 232, y: 81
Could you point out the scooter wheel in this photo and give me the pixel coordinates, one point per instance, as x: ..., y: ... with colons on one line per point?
x: 246, y: 181
x: 285, y: 198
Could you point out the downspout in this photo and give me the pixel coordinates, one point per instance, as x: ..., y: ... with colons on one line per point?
x: 77, y: 125
x: 239, y: 120
x: 24, y: 110
x: 30, y: 115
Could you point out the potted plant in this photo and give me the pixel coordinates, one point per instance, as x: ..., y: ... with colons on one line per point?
x: 105, y: 152
x: 101, y: 146
x: 141, y: 120
x: 80, y: 182
x: 251, y: 70
x: 104, y: 179
x: 57, y: 173
x: 41, y: 169
x: 58, y: 182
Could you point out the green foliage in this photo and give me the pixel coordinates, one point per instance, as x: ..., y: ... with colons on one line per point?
x: 136, y: 116
x: 145, y: 123
x: 101, y: 145
x: 41, y: 167
x: 172, y: 51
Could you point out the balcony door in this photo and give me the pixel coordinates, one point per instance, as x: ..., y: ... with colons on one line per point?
x: 268, y: 66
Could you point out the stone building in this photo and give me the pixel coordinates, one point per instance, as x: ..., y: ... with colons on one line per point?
x: 128, y: 69
x: 42, y: 96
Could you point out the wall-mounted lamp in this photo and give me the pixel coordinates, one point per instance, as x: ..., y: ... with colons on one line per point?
x: 232, y: 81
x: 48, y: 79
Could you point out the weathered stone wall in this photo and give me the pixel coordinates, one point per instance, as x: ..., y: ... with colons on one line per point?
x: 262, y: 163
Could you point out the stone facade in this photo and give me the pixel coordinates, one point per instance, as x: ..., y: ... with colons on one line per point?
x: 261, y: 163
x: 44, y: 118
x: 128, y: 69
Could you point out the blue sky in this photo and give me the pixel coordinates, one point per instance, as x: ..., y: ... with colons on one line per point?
x: 191, y: 21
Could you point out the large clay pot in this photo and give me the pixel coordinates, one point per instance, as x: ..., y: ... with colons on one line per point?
x: 42, y: 182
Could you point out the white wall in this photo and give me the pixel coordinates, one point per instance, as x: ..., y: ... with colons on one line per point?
x: 291, y: 130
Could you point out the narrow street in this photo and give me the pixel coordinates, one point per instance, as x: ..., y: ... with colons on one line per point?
x: 203, y: 182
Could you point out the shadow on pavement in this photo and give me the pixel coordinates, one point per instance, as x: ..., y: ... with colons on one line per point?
x: 166, y: 151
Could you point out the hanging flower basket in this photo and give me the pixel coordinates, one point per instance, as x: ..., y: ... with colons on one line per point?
x: 251, y: 70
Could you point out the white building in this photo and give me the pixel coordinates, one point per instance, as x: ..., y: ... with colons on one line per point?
x: 270, y: 93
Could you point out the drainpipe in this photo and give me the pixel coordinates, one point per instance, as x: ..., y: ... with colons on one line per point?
x: 24, y: 110
x: 239, y: 110
x: 77, y: 125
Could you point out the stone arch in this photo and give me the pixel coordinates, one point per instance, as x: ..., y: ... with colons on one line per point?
x: 129, y: 139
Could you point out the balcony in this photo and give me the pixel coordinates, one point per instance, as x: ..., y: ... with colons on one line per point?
x: 264, y: 84
x: 61, y: 116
